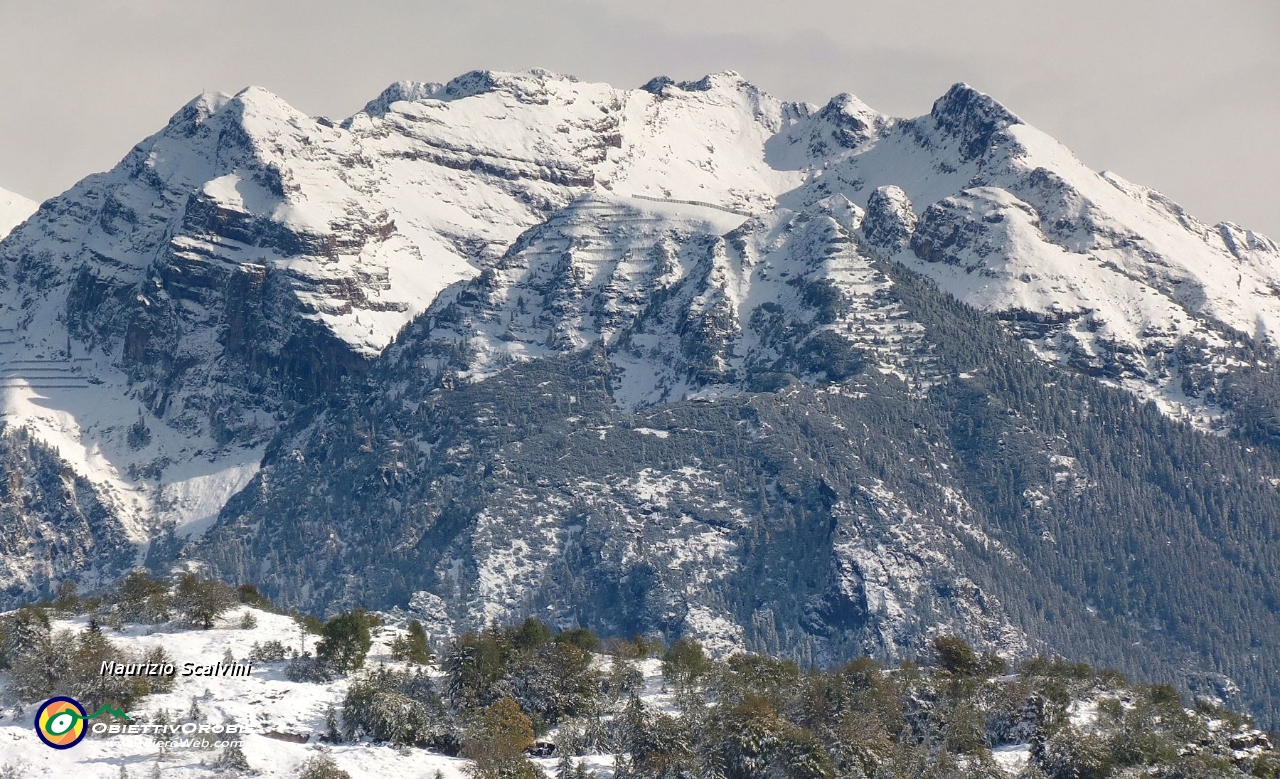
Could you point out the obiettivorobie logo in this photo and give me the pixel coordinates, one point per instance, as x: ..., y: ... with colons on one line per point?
x: 60, y: 722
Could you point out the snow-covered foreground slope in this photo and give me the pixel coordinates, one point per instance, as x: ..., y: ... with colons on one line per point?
x: 281, y: 721
x: 747, y: 715
x: 14, y: 210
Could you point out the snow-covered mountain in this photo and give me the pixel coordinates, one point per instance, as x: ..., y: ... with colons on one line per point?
x: 222, y: 297
x: 14, y: 210
x: 247, y: 255
x: 1100, y: 274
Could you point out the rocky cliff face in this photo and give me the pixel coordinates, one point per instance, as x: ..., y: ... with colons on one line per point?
x: 53, y: 527
x: 683, y: 299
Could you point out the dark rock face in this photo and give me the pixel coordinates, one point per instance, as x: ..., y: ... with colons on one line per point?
x: 971, y: 117
x: 205, y: 333
x: 191, y: 299
x: 402, y: 90
x: 946, y: 229
x: 852, y: 124
x: 53, y: 527
x: 890, y: 220
x: 476, y: 82
x: 657, y: 84
x: 629, y: 533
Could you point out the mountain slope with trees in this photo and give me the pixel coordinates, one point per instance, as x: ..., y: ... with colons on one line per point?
x: 1004, y: 500
x: 684, y: 361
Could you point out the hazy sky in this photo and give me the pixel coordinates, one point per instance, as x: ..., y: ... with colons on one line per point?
x: 1180, y: 95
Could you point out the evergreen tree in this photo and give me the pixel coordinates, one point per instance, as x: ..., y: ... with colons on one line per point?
x: 345, y: 642
x: 28, y: 653
x: 138, y: 597
x: 66, y: 598
x: 322, y: 766
x: 232, y: 758
x: 399, y: 708
x: 413, y: 647
x: 565, y: 767
x: 202, y: 601
x: 685, y: 662
x: 331, y: 732
x: 955, y: 655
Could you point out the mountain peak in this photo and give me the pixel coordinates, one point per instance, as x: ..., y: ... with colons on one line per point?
x: 971, y: 116
x: 723, y: 80
x: 856, y: 122
x: 847, y: 103
x: 260, y: 100
x: 198, y: 110
x: 516, y: 83
x: 408, y: 91
x: 252, y: 101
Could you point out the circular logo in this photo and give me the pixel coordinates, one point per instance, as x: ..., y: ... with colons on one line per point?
x: 60, y: 722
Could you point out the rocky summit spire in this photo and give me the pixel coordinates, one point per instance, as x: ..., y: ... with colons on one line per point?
x: 972, y: 117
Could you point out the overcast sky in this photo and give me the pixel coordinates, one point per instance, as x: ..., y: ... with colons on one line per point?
x: 1180, y: 95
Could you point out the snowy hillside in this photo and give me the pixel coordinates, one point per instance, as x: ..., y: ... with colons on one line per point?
x: 686, y: 711
x: 14, y: 210
x: 279, y: 717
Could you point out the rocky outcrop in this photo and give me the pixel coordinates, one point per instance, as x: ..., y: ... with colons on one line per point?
x: 972, y: 118
x: 53, y: 527
x: 890, y: 221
